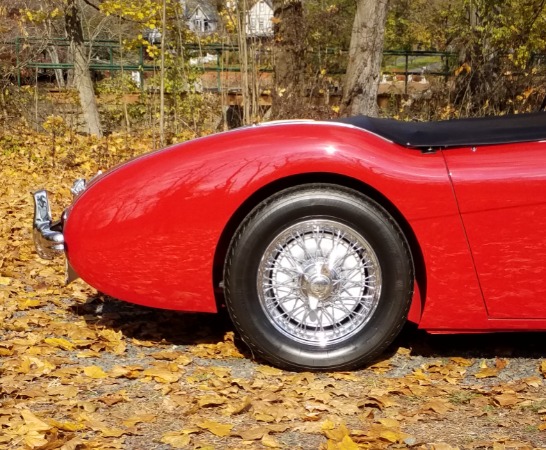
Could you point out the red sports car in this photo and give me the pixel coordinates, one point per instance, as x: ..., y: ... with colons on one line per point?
x: 323, y: 238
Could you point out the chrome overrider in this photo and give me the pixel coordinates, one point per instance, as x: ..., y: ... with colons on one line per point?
x: 48, y: 235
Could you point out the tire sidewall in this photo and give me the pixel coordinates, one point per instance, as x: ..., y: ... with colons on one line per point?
x: 356, y: 212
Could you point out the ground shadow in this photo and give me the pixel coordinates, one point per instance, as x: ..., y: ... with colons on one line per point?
x: 144, y: 323
x: 181, y: 328
x: 483, y: 345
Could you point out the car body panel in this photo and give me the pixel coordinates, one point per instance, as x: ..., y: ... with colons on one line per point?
x: 150, y: 230
x: 147, y: 231
x: 501, y: 190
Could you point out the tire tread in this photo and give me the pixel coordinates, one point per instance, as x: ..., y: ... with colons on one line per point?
x: 320, y: 188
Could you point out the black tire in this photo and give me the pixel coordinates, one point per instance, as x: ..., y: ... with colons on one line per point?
x: 318, y: 277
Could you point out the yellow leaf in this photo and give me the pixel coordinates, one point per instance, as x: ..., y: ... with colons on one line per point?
x: 5, y: 281
x: 462, y: 361
x: 162, y: 375
x: 243, y: 406
x: 270, y: 442
x: 94, y: 372
x: 269, y: 371
x: 252, y: 434
x: 351, y: 377
x: 262, y: 417
x: 211, y: 400
x: 390, y: 435
x: 506, y: 399
x: 328, y: 425
x: 390, y: 423
x: 438, y: 406
x: 62, y: 390
x: 66, y: 426
x: 28, y: 303
x: 348, y: 444
x: 218, y: 429
x: 60, y: 343
x: 531, y: 381
x: 176, y: 440
x: 487, y: 372
x: 35, y: 439
x: 166, y: 355
x: 113, y: 432
x: 32, y: 423
x: 111, y: 335
x: 337, y: 434
x: 142, y: 418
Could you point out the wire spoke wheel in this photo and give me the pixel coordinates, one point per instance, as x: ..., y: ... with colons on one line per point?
x: 319, y: 282
x: 318, y: 277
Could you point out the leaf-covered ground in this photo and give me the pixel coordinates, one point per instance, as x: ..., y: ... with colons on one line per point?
x: 80, y: 371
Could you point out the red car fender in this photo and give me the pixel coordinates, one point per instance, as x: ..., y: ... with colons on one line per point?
x: 147, y: 231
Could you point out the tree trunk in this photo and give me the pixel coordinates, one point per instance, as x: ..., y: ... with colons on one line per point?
x: 289, y: 58
x: 59, y: 76
x: 365, y: 56
x: 242, y: 21
x: 82, y: 75
x: 162, y: 74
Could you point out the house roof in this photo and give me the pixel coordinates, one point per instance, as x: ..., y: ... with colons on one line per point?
x: 208, y: 7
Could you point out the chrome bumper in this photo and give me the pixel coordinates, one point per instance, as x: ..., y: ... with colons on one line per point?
x: 48, y: 235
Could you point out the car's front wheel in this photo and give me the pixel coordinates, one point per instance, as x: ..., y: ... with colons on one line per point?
x: 318, y: 278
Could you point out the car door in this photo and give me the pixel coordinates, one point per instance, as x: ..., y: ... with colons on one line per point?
x: 501, y: 192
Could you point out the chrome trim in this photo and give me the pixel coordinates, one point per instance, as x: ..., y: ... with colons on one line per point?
x: 78, y: 187
x: 321, y: 122
x: 319, y: 282
x: 48, y: 236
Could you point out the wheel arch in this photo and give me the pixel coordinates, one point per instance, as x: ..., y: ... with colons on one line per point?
x: 340, y: 180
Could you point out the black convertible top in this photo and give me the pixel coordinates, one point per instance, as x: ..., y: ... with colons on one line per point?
x: 457, y: 132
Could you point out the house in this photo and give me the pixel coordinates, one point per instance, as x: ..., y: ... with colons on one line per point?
x: 201, y: 16
x: 260, y: 17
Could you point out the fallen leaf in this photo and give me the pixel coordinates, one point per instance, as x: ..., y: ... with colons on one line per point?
x: 487, y: 372
x: 270, y: 442
x: 507, y: 399
x: 33, y: 423
x: 162, y: 374
x: 140, y: 418
x: 95, y: 372
x: 216, y: 428
x: 269, y: 371
x: 60, y: 343
x: 176, y: 439
x: 211, y: 400
x: 439, y: 406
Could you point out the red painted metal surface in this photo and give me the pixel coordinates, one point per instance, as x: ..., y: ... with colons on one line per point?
x: 502, y: 197
x: 147, y: 231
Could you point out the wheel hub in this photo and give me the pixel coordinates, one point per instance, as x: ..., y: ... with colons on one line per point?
x: 318, y: 281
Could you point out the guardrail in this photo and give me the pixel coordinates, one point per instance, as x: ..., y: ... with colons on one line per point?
x: 30, y: 53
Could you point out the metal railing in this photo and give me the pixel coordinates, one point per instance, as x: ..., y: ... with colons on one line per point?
x: 30, y: 53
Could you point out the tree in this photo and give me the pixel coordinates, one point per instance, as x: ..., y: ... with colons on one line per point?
x: 82, y: 75
x: 365, y: 56
x: 496, y: 46
x: 289, y: 57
